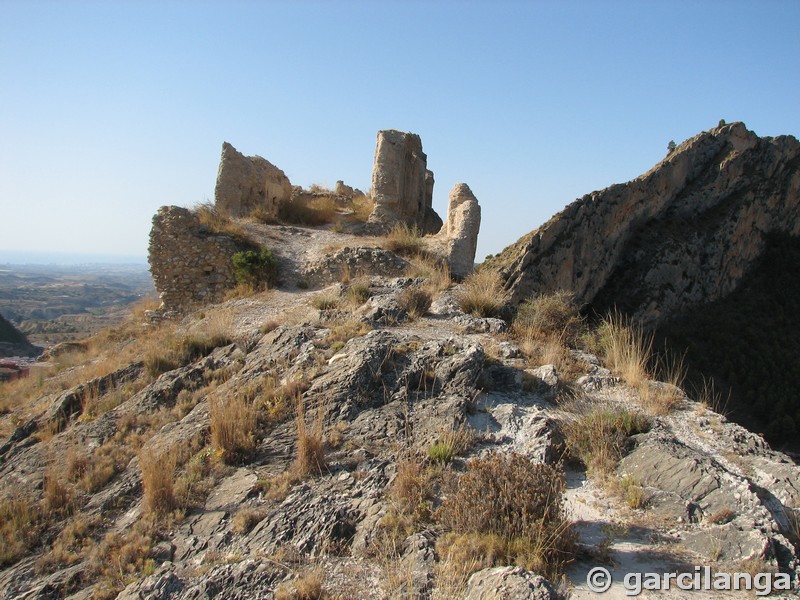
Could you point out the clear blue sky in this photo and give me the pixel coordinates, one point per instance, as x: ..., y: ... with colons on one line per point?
x: 111, y: 109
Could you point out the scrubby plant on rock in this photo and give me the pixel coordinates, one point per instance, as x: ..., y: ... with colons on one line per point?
x: 255, y: 269
x: 508, y: 510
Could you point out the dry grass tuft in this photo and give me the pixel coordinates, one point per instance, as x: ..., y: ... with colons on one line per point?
x: 362, y: 207
x: 310, y: 459
x: 507, y: 510
x: 358, y: 291
x: 482, y: 294
x: 436, y: 272
x: 312, y: 211
x: 326, y: 300
x: 598, y: 435
x: 451, y: 443
x: 547, y: 317
x: 405, y: 241
x: 21, y: 525
x: 158, y: 475
x: 308, y: 586
x: 415, y: 301
x: 246, y: 519
x: 219, y: 222
x: 234, y: 421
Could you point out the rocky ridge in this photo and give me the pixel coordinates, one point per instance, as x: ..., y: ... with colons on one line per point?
x: 388, y: 392
x: 682, y: 234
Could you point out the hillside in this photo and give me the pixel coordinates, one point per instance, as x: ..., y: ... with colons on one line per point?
x: 297, y: 440
x: 319, y: 409
x: 13, y: 342
x: 690, y: 249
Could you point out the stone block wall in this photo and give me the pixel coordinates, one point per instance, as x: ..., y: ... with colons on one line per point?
x: 190, y: 264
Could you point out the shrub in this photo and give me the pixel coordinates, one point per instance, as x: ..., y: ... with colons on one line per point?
x: 599, y: 435
x: 158, y: 474
x: 415, y: 301
x: 362, y: 208
x: 512, y: 512
x: 251, y: 268
x: 405, y: 240
x: 482, y: 294
x: 234, y: 420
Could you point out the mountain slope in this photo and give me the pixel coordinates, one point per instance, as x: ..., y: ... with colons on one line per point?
x: 13, y: 342
x: 681, y: 235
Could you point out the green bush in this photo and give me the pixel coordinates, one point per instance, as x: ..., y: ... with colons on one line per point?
x: 255, y: 268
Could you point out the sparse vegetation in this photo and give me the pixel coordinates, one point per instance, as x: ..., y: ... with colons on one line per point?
x: 437, y: 273
x: 507, y: 510
x: 598, y: 435
x: 405, y: 240
x: 158, y: 474
x: 415, y: 301
x: 482, y: 294
x: 255, y: 269
x: 234, y: 420
x: 310, y: 458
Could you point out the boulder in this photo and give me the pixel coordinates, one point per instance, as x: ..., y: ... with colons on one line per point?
x: 246, y: 183
x: 508, y: 583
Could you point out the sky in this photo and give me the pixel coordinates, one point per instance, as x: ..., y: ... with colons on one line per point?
x: 111, y: 109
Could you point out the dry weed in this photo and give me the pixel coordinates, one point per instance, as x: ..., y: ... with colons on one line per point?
x: 158, y: 474
x: 234, y: 422
x: 310, y: 459
x: 481, y: 294
x: 510, y: 511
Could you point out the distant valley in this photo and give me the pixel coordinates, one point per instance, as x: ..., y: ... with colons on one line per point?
x: 55, y: 303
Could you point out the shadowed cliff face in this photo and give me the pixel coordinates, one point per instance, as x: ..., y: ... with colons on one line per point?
x: 679, y: 236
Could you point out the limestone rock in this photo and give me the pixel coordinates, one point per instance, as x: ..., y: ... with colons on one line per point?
x: 461, y: 230
x: 245, y: 183
x: 508, y: 583
x: 402, y: 185
x: 681, y: 235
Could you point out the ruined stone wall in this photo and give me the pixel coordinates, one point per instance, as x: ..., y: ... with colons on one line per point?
x: 402, y: 185
x: 190, y: 264
x: 247, y: 183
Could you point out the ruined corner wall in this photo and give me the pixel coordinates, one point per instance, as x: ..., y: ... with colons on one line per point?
x: 190, y: 264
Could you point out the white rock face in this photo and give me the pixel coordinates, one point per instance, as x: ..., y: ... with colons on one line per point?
x: 402, y: 185
x: 461, y: 230
x: 245, y: 183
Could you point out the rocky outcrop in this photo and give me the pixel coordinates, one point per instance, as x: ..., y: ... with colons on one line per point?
x: 246, y: 183
x: 508, y: 583
x: 190, y: 264
x: 13, y: 342
x: 680, y: 235
x: 460, y: 231
x: 402, y: 185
